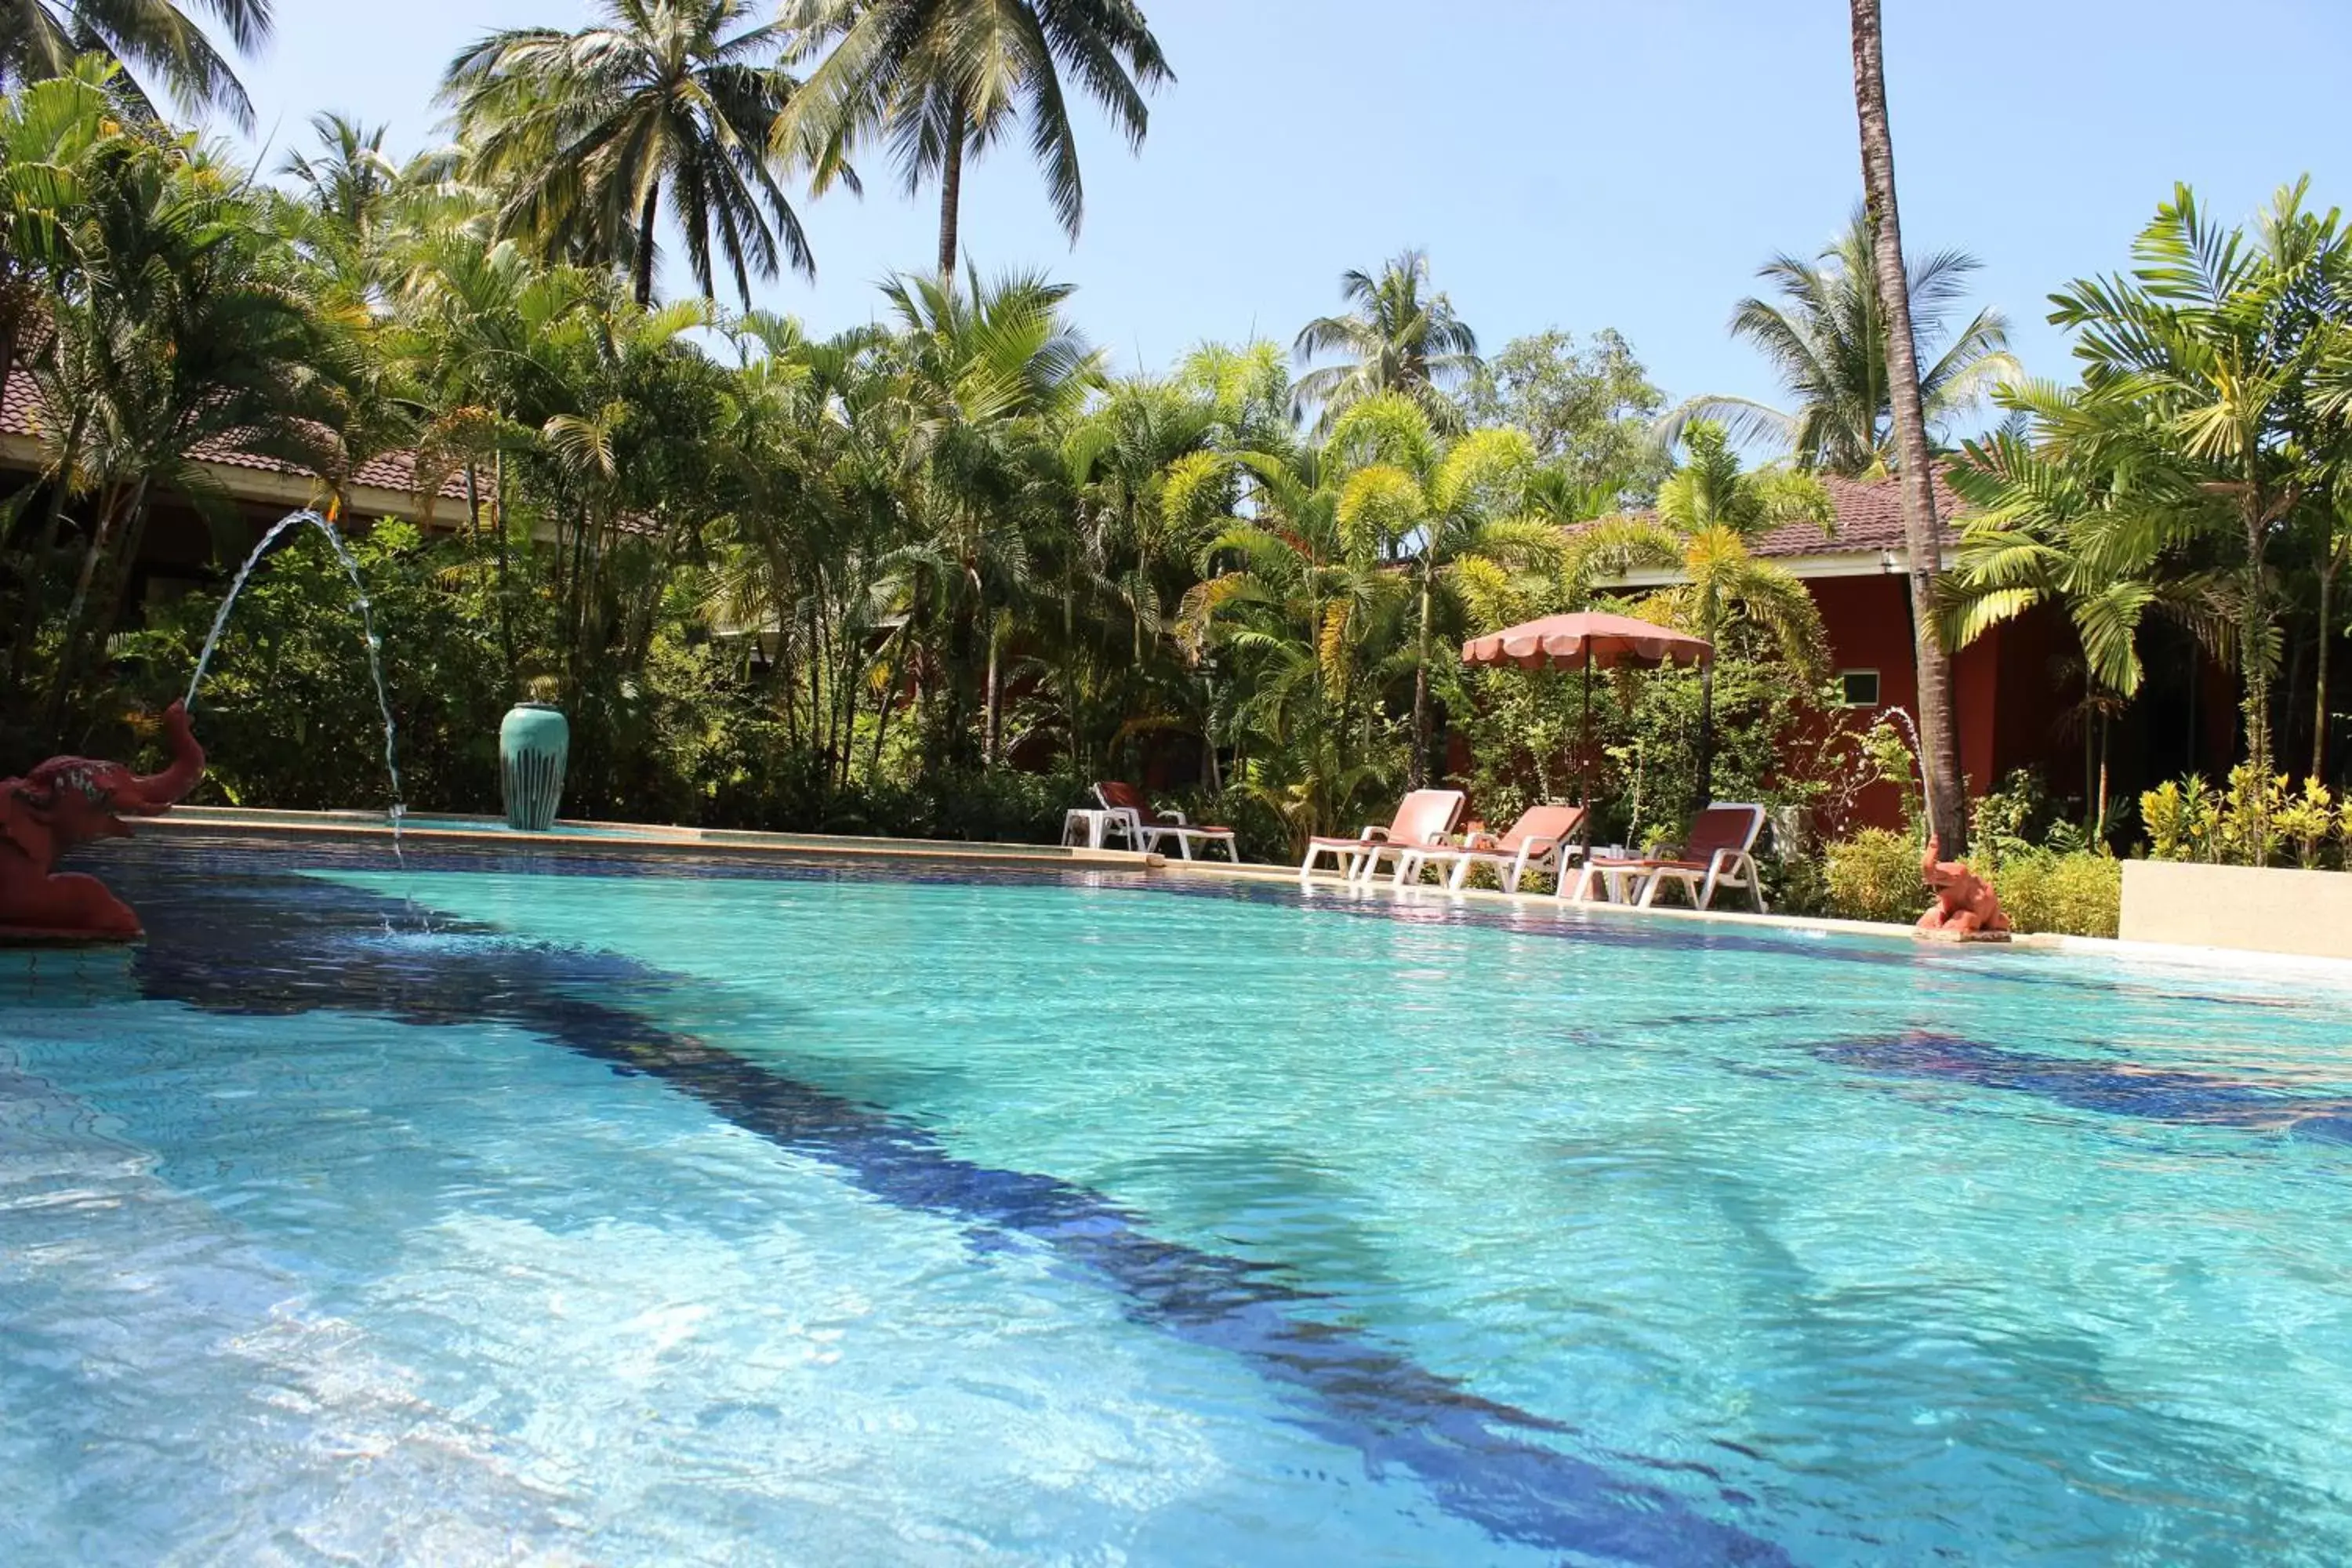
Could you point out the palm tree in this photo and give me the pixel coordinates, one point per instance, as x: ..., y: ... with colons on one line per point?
x: 1399, y: 337
x: 1304, y: 621
x: 988, y: 378
x: 583, y: 132
x: 1430, y: 504
x: 942, y: 79
x: 1127, y: 562
x: 41, y: 38
x: 1940, y: 767
x: 1826, y: 341
x: 192, y: 340
x: 2045, y: 527
x: 50, y: 131
x: 2200, y: 369
x: 1708, y: 511
x: 350, y: 179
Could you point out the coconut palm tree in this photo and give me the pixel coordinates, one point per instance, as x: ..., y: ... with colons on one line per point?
x: 1707, y: 511
x: 1940, y: 767
x: 154, y: 38
x: 350, y: 178
x: 1398, y: 337
x: 583, y: 132
x: 1826, y: 341
x: 940, y: 80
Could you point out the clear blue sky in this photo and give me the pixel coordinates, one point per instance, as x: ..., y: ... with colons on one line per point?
x: 1574, y: 163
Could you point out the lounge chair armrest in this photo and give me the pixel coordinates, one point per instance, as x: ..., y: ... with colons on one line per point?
x: 1174, y: 820
x: 1371, y: 832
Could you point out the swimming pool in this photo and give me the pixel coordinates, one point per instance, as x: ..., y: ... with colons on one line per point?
x: 574, y: 1212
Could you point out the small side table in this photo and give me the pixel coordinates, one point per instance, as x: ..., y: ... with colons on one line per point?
x: 1088, y: 823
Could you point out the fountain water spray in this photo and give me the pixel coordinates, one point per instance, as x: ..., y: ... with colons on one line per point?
x: 367, y: 628
x: 1918, y: 768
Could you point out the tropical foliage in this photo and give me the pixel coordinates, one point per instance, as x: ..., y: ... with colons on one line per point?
x: 153, y: 42
x: 1707, y: 513
x: 1398, y: 336
x: 929, y: 574
x: 936, y: 573
x: 2199, y: 470
x: 942, y: 80
x: 1825, y: 341
x: 583, y: 133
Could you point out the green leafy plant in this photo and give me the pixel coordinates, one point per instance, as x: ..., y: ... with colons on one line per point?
x: 2014, y: 819
x: 2246, y: 831
x: 1874, y: 876
x: 2308, y: 821
x: 2077, y: 894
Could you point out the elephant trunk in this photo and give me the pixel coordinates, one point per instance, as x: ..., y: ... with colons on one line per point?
x: 155, y: 791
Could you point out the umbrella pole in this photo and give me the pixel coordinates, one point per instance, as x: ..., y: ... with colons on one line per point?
x: 1584, y: 752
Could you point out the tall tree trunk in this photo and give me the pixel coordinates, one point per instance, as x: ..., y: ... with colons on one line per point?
x: 126, y: 565
x: 993, y: 703
x: 643, y: 262
x: 1419, y: 773
x: 1938, y: 730
x: 36, y: 564
x: 885, y: 703
x: 499, y: 521
x: 2099, y: 830
x: 2254, y: 665
x: 847, y: 677
x: 69, y: 645
x: 952, y: 192
x: 2328, y: 568
x: 1703, y: 787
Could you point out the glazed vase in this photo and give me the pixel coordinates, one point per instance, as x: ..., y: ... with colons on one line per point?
x: 534, y: 743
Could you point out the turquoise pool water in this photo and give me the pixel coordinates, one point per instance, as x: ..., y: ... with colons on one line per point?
x: 613, y: 1217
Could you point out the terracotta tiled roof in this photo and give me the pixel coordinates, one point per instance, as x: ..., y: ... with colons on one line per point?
x: 22, y: 414
x: 1869, y: 518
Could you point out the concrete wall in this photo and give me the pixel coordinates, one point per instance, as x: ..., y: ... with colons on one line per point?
x: 2258, y: 909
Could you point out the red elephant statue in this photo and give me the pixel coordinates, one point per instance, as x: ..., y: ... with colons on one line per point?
x: 67, y: 801
x: 1966, y: 910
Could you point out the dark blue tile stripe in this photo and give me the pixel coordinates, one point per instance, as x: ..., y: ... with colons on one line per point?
x: 2086, y: 1084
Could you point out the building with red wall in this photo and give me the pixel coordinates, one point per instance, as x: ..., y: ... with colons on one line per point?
x: 2016, y: 690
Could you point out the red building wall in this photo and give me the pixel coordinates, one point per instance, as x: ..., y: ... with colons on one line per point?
x: 2000, y: 684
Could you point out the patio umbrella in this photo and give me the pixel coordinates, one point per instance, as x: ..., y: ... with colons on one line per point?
x: 1583, y: 641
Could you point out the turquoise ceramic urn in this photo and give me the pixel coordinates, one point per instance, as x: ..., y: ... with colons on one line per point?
x: 533, y: 745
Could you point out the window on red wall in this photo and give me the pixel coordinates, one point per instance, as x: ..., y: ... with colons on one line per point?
x: 1858, y: 688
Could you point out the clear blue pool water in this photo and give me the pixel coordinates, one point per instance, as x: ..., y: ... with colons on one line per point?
x: 810, y: 1218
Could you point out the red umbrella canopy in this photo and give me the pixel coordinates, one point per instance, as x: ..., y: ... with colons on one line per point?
x: 1587, y: 640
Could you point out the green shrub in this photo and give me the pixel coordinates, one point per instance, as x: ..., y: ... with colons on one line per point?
x: 2080, y: 894
x: 1874, y: 876
x: 2308, y: 821
x: 1797, y: 885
